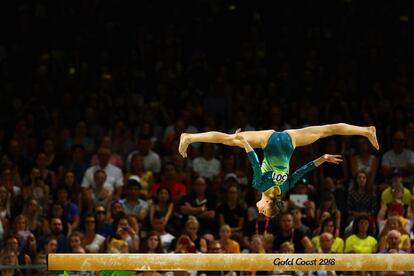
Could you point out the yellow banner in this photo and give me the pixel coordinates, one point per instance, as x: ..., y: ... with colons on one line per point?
x: 234, y: 262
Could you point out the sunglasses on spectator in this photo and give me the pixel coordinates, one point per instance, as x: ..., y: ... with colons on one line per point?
x: 100, y: 212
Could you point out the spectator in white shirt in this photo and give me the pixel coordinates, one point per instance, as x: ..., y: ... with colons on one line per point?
x: 399, y: 158
x: 207, y: 165
x: 114, y: 174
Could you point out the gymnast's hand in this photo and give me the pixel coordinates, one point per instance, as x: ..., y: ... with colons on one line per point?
x: 237, y: 135
x: 331, y: 158
x: 241, y: 141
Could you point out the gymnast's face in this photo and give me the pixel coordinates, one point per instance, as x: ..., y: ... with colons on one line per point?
x: 266, y: 206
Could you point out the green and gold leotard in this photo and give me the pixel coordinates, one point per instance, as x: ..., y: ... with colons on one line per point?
x: 274, y: 171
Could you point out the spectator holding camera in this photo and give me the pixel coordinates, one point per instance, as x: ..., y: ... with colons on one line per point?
x: 127, y: 233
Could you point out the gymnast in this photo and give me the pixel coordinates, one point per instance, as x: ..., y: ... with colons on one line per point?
x: 272, y: 177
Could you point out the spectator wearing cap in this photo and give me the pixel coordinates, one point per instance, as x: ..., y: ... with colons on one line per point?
x: 132, y: 204
x: 399, y: 157
x: 231, y: 179
x: 113, y: 173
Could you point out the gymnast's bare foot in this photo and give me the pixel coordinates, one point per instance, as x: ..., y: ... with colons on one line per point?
x: 184, y: 142
x: 372, y: 137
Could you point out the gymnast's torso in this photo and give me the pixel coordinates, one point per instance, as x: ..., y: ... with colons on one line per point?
x: 274, y: 171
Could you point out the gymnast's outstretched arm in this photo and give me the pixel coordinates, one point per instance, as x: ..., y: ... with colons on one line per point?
x: 263, y: 181
x: 299, y: 173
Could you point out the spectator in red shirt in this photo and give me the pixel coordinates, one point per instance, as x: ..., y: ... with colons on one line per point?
x: 169, y: 180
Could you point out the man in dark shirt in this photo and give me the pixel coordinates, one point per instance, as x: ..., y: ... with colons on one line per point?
x: 287, y: 232
x: 201, y: 205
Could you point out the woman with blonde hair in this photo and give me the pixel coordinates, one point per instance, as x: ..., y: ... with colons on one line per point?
x: 394, y: 223
x: 256, y: 244
x: 191, y: 229
x: 229, y: 245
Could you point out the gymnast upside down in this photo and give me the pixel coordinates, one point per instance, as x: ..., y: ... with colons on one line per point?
x: 272, y: 177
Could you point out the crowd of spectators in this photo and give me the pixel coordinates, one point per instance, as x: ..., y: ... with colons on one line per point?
x: 95, y: 95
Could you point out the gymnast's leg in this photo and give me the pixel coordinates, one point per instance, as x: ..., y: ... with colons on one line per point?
x: 308, y: 135
x: 257, y: 139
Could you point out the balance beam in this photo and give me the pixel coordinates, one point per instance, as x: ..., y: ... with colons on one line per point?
x: 231, y: 262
